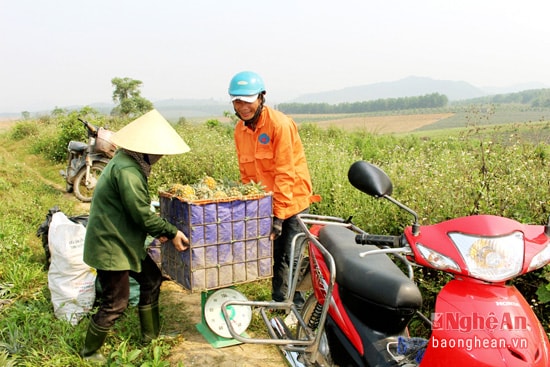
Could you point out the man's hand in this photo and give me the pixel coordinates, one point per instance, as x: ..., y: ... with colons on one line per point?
x: 276, y: 229
x: 180, y: 242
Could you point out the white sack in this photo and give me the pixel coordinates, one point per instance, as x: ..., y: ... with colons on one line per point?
x: 70, y: 280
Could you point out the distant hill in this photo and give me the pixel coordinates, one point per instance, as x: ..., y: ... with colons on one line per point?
x: 410, y: 87
x: 407, y: 87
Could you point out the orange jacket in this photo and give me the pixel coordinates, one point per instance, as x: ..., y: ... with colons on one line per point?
x: 273, y: 154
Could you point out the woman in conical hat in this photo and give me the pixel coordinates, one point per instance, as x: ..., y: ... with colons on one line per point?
x: 120, y: 219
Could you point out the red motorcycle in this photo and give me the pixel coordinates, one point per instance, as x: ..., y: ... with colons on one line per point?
x: 362, y: 302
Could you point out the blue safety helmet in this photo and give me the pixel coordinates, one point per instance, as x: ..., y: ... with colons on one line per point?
x: 246, y: 83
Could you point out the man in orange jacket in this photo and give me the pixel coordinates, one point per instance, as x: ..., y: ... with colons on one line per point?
x: 270, y: 151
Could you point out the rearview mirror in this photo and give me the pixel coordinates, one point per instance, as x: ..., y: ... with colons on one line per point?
x: 370, y: 179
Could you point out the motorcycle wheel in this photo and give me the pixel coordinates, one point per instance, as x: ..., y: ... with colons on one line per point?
x: 81, y: 191
x: 311, y: 313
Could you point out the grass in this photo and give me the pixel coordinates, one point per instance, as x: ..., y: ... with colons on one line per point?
x: 478, y: 167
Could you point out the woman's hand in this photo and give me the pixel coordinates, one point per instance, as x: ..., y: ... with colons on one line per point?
x: 180, y: 242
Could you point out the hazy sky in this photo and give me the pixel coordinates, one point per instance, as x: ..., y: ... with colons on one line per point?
x: 62, y: 52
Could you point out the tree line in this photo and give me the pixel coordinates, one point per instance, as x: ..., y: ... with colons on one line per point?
x: 432, y: 100
x: 531, y: 97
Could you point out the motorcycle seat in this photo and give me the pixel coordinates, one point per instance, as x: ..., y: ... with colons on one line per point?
x: 77, y: 146
x: 374, y: 277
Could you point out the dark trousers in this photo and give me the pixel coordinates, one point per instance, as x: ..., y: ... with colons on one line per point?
x: 115, y: 287
x: 281, y: 260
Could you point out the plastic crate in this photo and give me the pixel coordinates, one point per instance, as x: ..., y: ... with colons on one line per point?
x: 229, y: 241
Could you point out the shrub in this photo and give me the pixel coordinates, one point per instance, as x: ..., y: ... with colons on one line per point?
x: 23, y: 129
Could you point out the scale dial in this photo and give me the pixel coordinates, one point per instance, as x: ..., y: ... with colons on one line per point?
x: 239, y: 316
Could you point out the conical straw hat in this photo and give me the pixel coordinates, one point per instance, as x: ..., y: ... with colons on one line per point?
x: 150, y: 134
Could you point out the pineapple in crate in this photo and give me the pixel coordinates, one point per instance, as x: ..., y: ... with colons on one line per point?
x: 185, y: 192
x: 208, y: 188
x: 210, y: 182
x: 253, y: 188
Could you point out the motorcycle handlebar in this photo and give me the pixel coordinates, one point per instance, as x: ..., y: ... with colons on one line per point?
x: 92, y: 128
x: 378, y: 240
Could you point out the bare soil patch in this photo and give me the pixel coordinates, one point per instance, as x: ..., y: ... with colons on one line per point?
x: 181, y: 312
x: 385, y: 124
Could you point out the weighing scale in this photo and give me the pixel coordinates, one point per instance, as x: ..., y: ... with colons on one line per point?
x: 213, y: 326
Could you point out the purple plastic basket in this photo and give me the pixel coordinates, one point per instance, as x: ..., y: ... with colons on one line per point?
x: 229, y: 241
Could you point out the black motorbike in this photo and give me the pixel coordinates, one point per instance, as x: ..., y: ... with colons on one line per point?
x: 86, y: 161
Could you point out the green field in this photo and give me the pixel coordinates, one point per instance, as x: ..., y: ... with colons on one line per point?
x: 476, y: 161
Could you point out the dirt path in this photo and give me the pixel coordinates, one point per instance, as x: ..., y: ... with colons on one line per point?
x: 194, y: 350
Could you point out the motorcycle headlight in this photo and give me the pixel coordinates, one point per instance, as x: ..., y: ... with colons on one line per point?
x: 436, y: 259
x: 493, y: 259
x: 540, y: 259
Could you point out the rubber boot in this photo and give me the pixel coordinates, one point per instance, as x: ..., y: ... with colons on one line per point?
x: 95, y: 337
x: 149, y: 319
